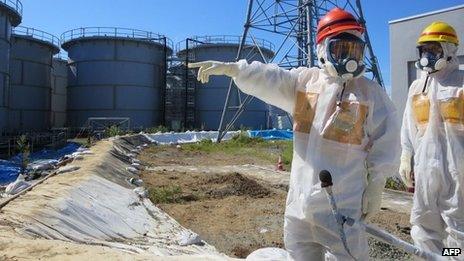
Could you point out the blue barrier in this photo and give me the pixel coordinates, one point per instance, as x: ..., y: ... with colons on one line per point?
x: 272, y: 134
x: 9, y: 169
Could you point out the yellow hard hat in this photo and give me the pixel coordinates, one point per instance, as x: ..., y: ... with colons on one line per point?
x: 438, y: 32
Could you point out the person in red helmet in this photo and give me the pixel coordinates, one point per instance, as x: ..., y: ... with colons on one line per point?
x: 342, y: 122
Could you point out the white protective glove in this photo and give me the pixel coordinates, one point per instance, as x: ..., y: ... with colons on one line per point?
x: 208, y: 68
x: 405, y: 168
x: 372, y: 197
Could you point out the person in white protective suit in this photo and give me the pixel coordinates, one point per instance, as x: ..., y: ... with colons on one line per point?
x: 343, y: 123
x: 433, y: 134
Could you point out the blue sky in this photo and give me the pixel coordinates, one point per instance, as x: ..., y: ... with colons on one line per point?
x: 179, y: 19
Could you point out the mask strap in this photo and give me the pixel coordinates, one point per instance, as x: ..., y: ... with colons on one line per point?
x: 425, y: 84
x: 341, y: 95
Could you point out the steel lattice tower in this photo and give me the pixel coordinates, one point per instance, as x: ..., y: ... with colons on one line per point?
x: 292, y: 26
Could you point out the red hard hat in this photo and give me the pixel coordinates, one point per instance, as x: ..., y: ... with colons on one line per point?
x: 335, y: 21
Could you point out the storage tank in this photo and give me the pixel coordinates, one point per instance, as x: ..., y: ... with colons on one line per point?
x: 10, y: 15
x: 210, y: 97
x: 59, y: 93
x: 115, y: 73
x: 31, y: 56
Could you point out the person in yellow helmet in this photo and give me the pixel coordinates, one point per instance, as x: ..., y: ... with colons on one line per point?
x: 433, y: 133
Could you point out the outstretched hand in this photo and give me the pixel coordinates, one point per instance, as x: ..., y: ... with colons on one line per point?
x: 208, y: 68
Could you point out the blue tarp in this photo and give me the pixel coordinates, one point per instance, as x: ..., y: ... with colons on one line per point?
x: 272, y: 134
x: 9, y: 169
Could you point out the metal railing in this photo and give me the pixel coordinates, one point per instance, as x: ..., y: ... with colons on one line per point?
x: 61, y: 55
x: 36, y: 34
x: 36, y: 140
x: 114, y: 32
x: 225, y: 39
x: 14, y: 4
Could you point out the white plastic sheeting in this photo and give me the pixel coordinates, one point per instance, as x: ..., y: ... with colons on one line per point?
x: 99, y: 211
x: 68, y: 168
x: 43, y: 165
x: 17, y: 186
x: 96, y: 205
x: 268, y: 254
x: 187, y: 137
x: 189, y: 238
x: 141, y: 192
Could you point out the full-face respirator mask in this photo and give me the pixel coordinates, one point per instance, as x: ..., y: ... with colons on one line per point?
x: 431, y: 57
x: 345, y: 56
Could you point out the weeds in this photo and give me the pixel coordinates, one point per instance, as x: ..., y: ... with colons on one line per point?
x: 242, y: 139
x: 89, y: 142
x: 395, y: 184
x: 23, y: 147
x: 165, y: 195
x: 238, y: 141
x: 242, y: 144
x: 159, y: 128
x: 113, y: 131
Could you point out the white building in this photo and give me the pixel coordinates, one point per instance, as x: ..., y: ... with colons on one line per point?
x: 403, y: 52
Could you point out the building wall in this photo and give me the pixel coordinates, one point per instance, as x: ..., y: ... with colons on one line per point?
x: 403, y: 53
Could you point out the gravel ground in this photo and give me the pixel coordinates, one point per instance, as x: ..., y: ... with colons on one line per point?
x: 382, y: 251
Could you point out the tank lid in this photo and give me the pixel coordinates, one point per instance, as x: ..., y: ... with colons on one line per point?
x: 197, y: 41
x: 15, y: 10
x: 38, y: 35
x: 114, y: 33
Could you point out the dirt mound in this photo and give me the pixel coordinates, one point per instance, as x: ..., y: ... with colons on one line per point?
x: 177, y: 187
x: 235, y: 184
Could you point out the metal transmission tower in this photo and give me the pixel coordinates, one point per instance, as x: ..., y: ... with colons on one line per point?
x: 292, y: 26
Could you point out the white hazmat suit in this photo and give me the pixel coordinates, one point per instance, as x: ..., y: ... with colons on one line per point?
x: 433, y: 132
x: 357, y: 142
